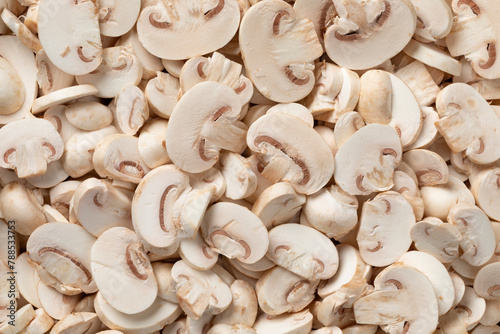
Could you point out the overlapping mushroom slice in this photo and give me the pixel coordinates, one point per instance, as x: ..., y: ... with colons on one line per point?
x: 21, y: 30
x: 487, y: 283
x: 243, y: 308
x: 434, y: 19
x: 288, y: 323
x: 13, y: 92
x: 381, y: 28
x: 417, y: 77
x: 182, y: 30
x: 197, y: 254
x: 163, y: 92
x: 42, y: 322
x: 62, y: 96
x: 80, y: 322
x: 320, y: 12
x: 303, y: 251
x: 152, y: 143
x: 63, y: 251
x: 203, y: 122
x: 116, y: 18
x: 486, y: 190
x: 280, y: 76
x: 234, y: 329
x: 69, y: 33
x: 27, y: 284
x: 328, y: 85
x: 88, y: 115
x: 22, y: 317
x: 241, y: 181
x: 429, y: 167
x: 378, y: 152
x: 130, y: 110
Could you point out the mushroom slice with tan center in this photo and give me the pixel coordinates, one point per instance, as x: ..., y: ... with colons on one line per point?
x: 81, y: 322
x: 152, y: 147
x: 382, y: 27
x: 62, y: 96
x: 60, y: 245
x: 119, y: 69
x: 163, y: 92
x: 434, y: 19
x: 200, y: 292
x: 303, y: 158
x: 117, y: 157
x: 88, y: 116
x: 122, y: 271
x: 487, y: 282
x: 478, y: 238
x: 116, y: 18
x: 241, y: 181
x: 486, y: 190
x: 131, y: 110
x: 328, y: 85
x: 282, y: 76
x: 197, y: 254
x: 378, y: 152
x: 243, y: 308
x: 185, y: 29
x: 384, y: 231
x: 235, y: 232
x: 69, y: 33
x: 203, y: 122
x: 288, y: 323
x: 303, y: 251
x: 292, y: 294
x: 49, y: 77
x: 153, y: 319
x: 395, y: 286
x: 430, y: 167
x: 21, y: 31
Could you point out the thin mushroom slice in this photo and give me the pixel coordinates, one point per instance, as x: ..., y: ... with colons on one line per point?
x: 166, y: 287
x: 81, y: 322
x: 163, y: 92
x: 320, y: 12
x: 22, y: 317
x: 486, y: 190
x: 152, y: 144
x: 13, y: 92
x: 61, y: 194
x: 56, y: 245
x: 433, y: 56
x: 487, y: 283
x: 294, y: 109
x: 346, y: 126
x: 70, y: 35
x: 173, y: 67
x: 279, y: 76
x: 54, y: 175
x: 471, y: 307
x: 288, y: 323
x: 429, y: 132
x: 131, y: 110
x: 42, y: 322
x: 383, y: 28
x: 241, y: 181
x: 329, y: 83
x: 430, y: 167
x: 27, y: 284
x: 56, y: 304
x: 303, y: 251
x: 21, y: 31
x: 434, y: 19
x: 231, y: 329
x: 62, y: 96
x: 197, y: 254
x: 88, y: 116
x: 417, y: 77
x: 243, y: 308
x: 491, y: 314
x: 177, y: 327
x: 211, y: 178
x: 122, y: 271
x: 235, y: 232
x: 185, y: 29
x: 406, y: 186
x: 116, y: 18
x: 57, y: 116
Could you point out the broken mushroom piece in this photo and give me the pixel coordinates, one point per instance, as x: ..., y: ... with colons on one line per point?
x: 152, y: 144
x: 22, y: 317
x: 487, y: 283
x: 42, y: 322
x: 130, y: 110
x: 243, y: 308
x: 197, y: 254
x: 433, y: 56
x: 241, y: 181
x: 327, y: 87
x: 417, y: 77
x: 429, y: 167
x: 346, y: 126
x: 320, y: 12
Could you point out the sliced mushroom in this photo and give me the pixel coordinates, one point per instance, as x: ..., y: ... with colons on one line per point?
x: 429, y: 132
x: 434, y: 19
x: 54, y: 175
x: 13, y: 91
x: 21, y: 31
x: 230, y: 329
x: 416, y: 76
x: 487, y: 283
x: 298, y: 323
x: 60, y: 196
x: 22, y: 317
x: 406, y: 186
x: 89, y: 116
x: 62, y: 96
x: 491, y: 314
x: 334, y: 310
x: 117, y: 18
x: 320, y: 12
x: 346, y: 126
x: 430, y: 167
x: 57, y: 116
x: 433, y: 56
x: 241, y: 181
x: 56, y: 304
x: 486, y: 190
x: 27, y: 284
x: 130, y: 110
x: 163, y: 92
x: 77, y: 323
x: 197, y: 254
x: 86, y: 304
x: 243, y: 308
x: 166, y: 287
x: 211, y: 178
x: 471, y: 307
x: 173, y: 67
x: 294, y: 109
x: 152, y: 145
x: 42, y: 322
x: 481, y: 329
x: 329, y: 82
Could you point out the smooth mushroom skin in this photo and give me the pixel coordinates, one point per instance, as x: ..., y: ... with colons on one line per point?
x: 243, y: 307
x: 487, y: 283
x: 294, y: 109
x: 13, y: 92
x: 491, y: 314
x: 163, y: 92
x: 117, y: 18
x: 279, y: 76
x: 429, y: 167
x: 486, y: 189
x: 299, y: 323
x: 89, y: 116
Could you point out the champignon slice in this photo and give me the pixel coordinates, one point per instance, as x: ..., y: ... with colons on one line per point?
x: 328, y: 83
x: 88, y: 116
x: 334, y: 310
x: 57, y: 116
x: 346, y: 126
x: 482, y: 329
x: 486, y: 190
x: 303, y: 251
x: 62, y: 96
x: 434, y: 19
x: 69, y: 33
x: 21, y: 31
x: 429, y: 132
x: 13, y: 91
x: 416, y: 76
x: 163, y: 92
x: 278, y: 75
x: 203, y: 122
x: 163, y: 274
x: 116, y: 18
x: 197, y: 254
x: 241, y: 181
x: 383, y: 28
x: 231, y: 329
x: 295, y: 109
x: 297, y: 323
x: 430, y: 167
x: 433, y: 56
x: 471, y: 308
x: 56, y: 304
x: 243, y: 308
x: 320, y: 12
x: 61, y: 194
x: 211, y: 178
x: 22, y: 317
x: 42, y: 322
x: 487, y: 283
x: 130, y: 110
x: 80, y: 322
x: 152, y: 145
x: 28, y: 280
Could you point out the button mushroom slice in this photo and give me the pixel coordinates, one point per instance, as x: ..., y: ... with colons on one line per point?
x: 491, y: 314
x: 234, y: 266
x: 230, y: 329
x: 487, y: 283
x: 416, y: 76
x: 384, y: 28
x: 360, y: 329
x: 117, y: 18
x: 466, y: 271
x: 27, y: 280
x: 119, y: 69
x: 166, y: 287
x: 234, y: 231
x: 334, y: 310
x: 152, y: 145
x: 42, y: 323
x: 61, y: 245
x: 173, y: 67
x: 472, y: 306
x: 117, y: 157
x: 54, y: 175
x: 122, y: 271
x: 77, y: 323
x: 177, y: 327
x: 241, y: 181
x: 62, y: 96
x: 255, y: 112
x: 329, y: 77
x: 458, y: 286
x: 185, y: 29
x: 288, y: 323
x: 303, y: 251
x: 433, y: 56
x: 486, y: 190
x: 278, y: 76
x: 56, y: 304
x: 22, y: 317
x: 197, y: 254
x: 50, y: 78
x: 381, y: 240
x: 320, y: 12
x: 294, y: 109
x: 57, y: 116
x: 21, y: 31
x: 86, y: 304
x: 131, y: 110
x: 200, y: 292
x: 434, y: 19
x: 88, y: 116
x: 327, y: 330
x: 243, y: 308
x: 489, y: 89
x: 478, y: 238
x: 429, y: 132
x: 481, y: 329
x: 441, y: 240
x: 211, y: 178
x: 61, y: 195
x: 201, y: 325
x: 406, y: 186
x: 346, y: 126
x: 430, y: 167
x: 158, y: 315
x: 13, y: 91
x: 163, y: 92
x: 380, y: 152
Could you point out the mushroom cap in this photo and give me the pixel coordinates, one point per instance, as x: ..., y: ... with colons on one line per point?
x: 116, y: 18
x: 429, y: 167
x: 89, y: 116
x: 487, y: 283
x: 288, y: 323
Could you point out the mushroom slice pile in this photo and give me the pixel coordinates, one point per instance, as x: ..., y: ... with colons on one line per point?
x: 20, y: 30
x: 241, y: 181
x: 384, y: 230
x: 63, y: 250
x: 80, y: 322
x: 403, y: 299
x: 243, y: 308
x: 467, y: 122
x: 299, y: 156
x: 116, y: 18
x: 380, y: 28
x: 185, y: 29
x: 122, y: 271
x: 131, y: 110
x: 429, y: 167
x: 69, y: 33
x: 434, y: 19
x: 200, y: 292
x: 203, y: 122
x: 88, y: 115
x: 366, y: 161
x: 288, y: 323
x: 487, y: 281
x: 281, y: 67
x: 303, y: 251
x: 98, y: 206
x: 234, y: 231
x: 486, y: 190
x: 162, y: 93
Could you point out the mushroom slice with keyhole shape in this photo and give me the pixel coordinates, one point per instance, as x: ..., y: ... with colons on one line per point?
x: 203, y: 122
x: 122, y: 271
x: 13, y: 92
x: 241, y: 181
x: 303, y: 251
x: 434, y: 19
x: 152, y: 145
x: 157, y: 316
x: 346, y: 126
x: 327, y: 87
x: 19, y: 204
x: 430, y: 167
x: 23, y: 317
x: 365, y: 162
x: 62, y: 96
x: 436, y: 238
x: 81, y: 322
x: 131, y: 110
x: 277, y: 204
x: 216, y: 68
x: 200, y: 292
x: 56, y: 304
x: 231, y: 329
x: 61, y: 194
x: 294, y: 109
x: 28, y: 145
x: 416, y: 76
x: 116, y: 18
x: 211, y: 178
x: 235, y: 232
x: 478, y: 237
x: 197, y: 254
x: 119, y: 69
x: 49, y: 77
x: 487, y: 282
x: 382, y: 27
x: 384, y: 230
x: 27, y: 284
x: 243, y: 308
x: 98, y: 206
x: 288, y: 323
x: 428, y: 133
x: 69, y: 33
x: 486, y: 190
x: 163, y: 92
x: 300, y: 157
x: 42, y: 323
x: 88, y: 116
x: 433, y: 56
x: 182, y: 30
x: 280, y: 291
x: 408, y: 299
x: 280, y: 76
x: 320, y: 12
x: 117, y: 157
x: 21, y: 31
